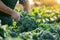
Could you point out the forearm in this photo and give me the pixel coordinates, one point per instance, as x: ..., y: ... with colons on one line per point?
x: 5, y: 9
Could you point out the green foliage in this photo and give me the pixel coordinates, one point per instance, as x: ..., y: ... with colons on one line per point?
x: 27, y: 23
x: 41, y: 34
x: 2, y: 32
x: 41, y: 24
x: 46, y: 14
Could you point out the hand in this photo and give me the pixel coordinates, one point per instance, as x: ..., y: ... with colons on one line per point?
x: 15, y: 16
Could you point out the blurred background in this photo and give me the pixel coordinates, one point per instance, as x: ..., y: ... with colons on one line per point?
x: 39, y: 3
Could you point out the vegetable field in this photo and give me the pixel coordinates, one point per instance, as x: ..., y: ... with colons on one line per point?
x: 42, y: 23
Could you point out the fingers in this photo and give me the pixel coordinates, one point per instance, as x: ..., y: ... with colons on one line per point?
x: 16, y: 17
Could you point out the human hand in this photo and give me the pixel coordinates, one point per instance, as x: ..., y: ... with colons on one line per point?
x: 15, y: 16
